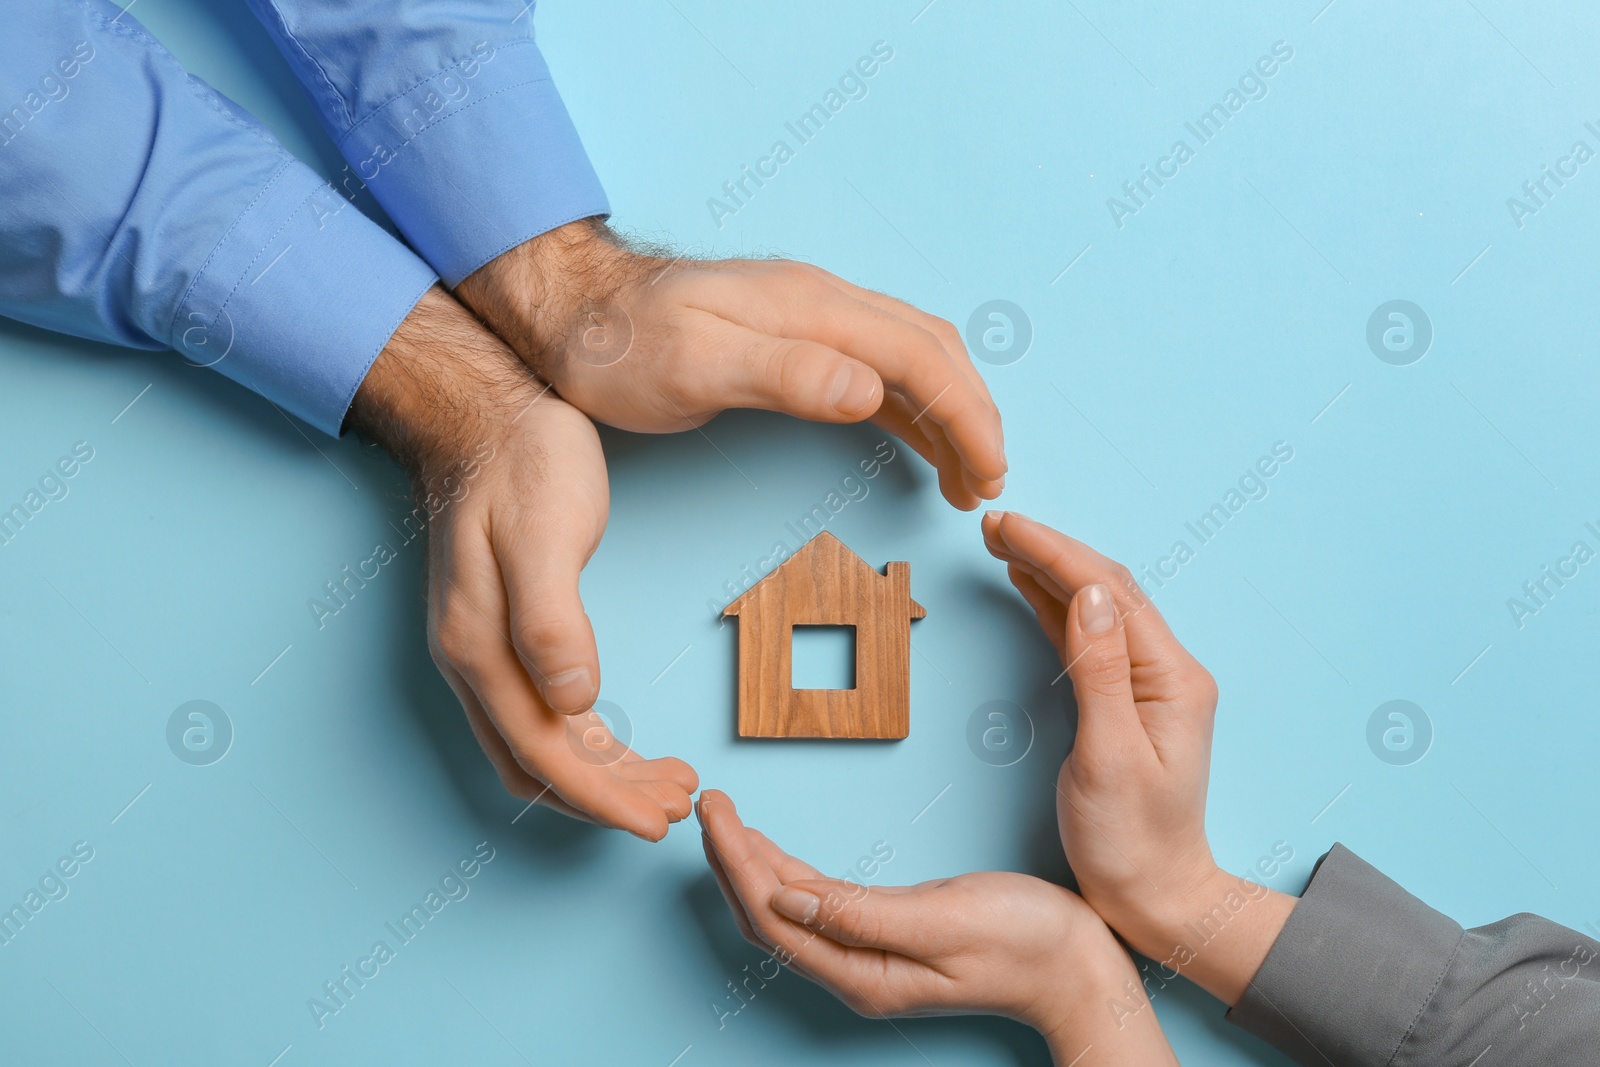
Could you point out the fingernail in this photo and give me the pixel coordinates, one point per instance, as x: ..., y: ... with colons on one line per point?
x: 569, y: 691
x: 994, y: 514
x: 796, y: 904
x: 854, y: 387
x: 1096, y: 614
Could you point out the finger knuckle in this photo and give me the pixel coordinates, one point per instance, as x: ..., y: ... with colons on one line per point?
x: 860, y: 925
x: 790, y: 366
x: 520, y: 785
x: 858, y: 1003
x: 928, y: 337
x: 440, y: 660
x: 1054, y: 559
x: 1120, y: 577
x: 1103, y: 671
x: 538, y: 629
x: 768, y: 934
x: 948, y: 335
x: 1100, y: 688
x: 796, y: 273
x: 880, y: 1010
x: 531, y: 759
x: 451, y: 639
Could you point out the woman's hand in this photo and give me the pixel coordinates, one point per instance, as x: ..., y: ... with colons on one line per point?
x: 992, y: 943
x: 1131, y: 797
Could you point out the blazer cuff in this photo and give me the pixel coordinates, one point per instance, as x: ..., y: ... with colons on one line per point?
x: 1352, y: 971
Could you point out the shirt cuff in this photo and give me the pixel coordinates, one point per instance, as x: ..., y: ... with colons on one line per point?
x: 299, y: 297
x: 1353, y: 969
x: 476, y: 159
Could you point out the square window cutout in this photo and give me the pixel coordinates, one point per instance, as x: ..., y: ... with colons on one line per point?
x: 823, y: 657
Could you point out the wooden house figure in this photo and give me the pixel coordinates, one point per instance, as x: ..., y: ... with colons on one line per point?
x: 826, y: 584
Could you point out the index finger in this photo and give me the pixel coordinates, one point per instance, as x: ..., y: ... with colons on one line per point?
x: 908, y: 357
x: 753, y: 882
x: 949, y: 337
x: 1063, y: 565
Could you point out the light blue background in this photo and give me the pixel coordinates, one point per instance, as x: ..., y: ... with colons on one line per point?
x: 1223, y: 317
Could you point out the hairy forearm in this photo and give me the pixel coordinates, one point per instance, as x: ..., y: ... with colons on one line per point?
x: 535, y: 294
x: 440, y: 386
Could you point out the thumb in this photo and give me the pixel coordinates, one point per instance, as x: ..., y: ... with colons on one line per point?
x: 797, y: 377
x: 1097, y: 660
x: 855, y: 915
x: 549, y: 628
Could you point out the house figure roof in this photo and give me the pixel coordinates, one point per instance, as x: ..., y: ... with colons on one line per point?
x: 823, y: 552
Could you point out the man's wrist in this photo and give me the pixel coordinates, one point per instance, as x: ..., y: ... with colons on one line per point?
x: 534, y: 294
x: 439, y: 387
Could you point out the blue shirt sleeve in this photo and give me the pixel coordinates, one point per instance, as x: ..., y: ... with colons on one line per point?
x: 139, y: 206
x: 445, y: 110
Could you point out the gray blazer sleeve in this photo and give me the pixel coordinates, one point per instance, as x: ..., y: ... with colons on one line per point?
x: 1366, y: 974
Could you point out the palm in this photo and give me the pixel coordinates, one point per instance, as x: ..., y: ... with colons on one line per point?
x: 991, y: 916
x: 993, y: 943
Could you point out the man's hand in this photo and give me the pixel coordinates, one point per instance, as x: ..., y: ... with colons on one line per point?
x: 1131, y: 797
x: 992, y: 943
x: 653, y: 344
x: 513, y: 482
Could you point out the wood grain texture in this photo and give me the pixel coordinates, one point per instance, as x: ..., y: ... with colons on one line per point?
x: 826, y: 584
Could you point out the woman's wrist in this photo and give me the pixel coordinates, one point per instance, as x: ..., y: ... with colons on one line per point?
x: 1146, y: 909
x: 1216, y: 934
x: 1103, y: 1010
